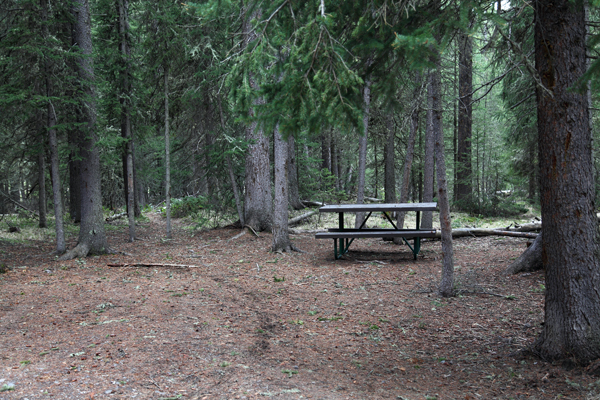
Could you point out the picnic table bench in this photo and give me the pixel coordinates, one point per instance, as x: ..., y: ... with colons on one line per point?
x: 347, y: 235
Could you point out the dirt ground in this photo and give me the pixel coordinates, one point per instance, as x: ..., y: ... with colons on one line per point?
x: 235, y: 321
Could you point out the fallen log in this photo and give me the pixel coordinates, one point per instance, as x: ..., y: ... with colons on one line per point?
x: 19, y: 204
x: 300, y: 218
x: 151, y: 265
x: 462, y: 232
x: 115, y: 216
x: 313, y: 203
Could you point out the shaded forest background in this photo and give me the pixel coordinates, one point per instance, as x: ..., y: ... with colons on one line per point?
x: 203, y: 74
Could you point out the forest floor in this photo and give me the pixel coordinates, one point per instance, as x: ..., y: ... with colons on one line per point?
x: 236, y: 321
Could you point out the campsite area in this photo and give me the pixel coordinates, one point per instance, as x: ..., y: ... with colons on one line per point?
x: 205, y: 316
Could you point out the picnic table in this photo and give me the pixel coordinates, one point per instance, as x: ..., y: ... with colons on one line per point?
x: 347, y: 235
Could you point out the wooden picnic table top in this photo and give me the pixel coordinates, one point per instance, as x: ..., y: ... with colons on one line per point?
x: 381, y: 207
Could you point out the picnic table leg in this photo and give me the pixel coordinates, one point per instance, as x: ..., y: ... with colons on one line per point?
x: 417, y: 248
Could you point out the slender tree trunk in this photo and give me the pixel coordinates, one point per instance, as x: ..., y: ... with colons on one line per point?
x: 75, y: 175
x: 390, y: 167
x: 92, y: 236
x: 281, y: 239
x: 410, y: 151
x: 446, y: 288
x: 167, y: 155
x: 429, y: 164
x: 326, y: 150
x: 464, y: 172
x: 234, y: 185
x: 334, y: 162
x: 362, y: 152
x: 122, y: 10
x: 55, y: 173
x: 43, y: 223
x: 570, y: 243
x: 52, y: 141
x: 293, y: 175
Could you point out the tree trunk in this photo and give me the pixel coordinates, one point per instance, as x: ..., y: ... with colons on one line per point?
x: 43, y: 223
x: 167, y: 155
x: 258, y: 203
x: 75, y: 175
x: 529, y: 261
x: 570, y: 243
x: 410, y: 152
x: 293, y: 186
x: 446, y: 287
x: 92, y: 237
x: 326, y: 151
x: 52, y: 140
x: 390, y: 168
x: 464, y: 189
x: 281, y: 238
x: 362, y: 152
x: 129, y: 184
x: 428, y: 167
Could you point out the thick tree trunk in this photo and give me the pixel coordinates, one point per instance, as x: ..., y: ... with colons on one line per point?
x: 570, y: 243
x: 92, y: 237
x: 362, y: 152
x: 390, y: 167
x: 293, y: 186
x: 281, y: 238
x: 258, y: 203
x: 429, y: 163
x: 129, y: 184
x: 464, y: 189
x: 167, y: 155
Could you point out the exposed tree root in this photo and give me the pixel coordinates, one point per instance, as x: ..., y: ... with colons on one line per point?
x: 80, y: 251
x: 529, y: 261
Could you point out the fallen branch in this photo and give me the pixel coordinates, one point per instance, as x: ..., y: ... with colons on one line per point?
x: 300, y: 218
x: 313, y: 203
x: 18, y: 204
x: 115, y: 216
x: 151, y: 265
x: 242, y: 233
x: 251, y: 229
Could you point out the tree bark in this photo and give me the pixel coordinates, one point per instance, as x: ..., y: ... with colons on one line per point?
x: 390, y: 168
x: 258, y: 203
x: 464, y: 189
x: 123, y: 10
x: 529, y: 261
x: 362, y: 152
x: 75, y: 174
x: 281, y: 238
x: 446, y: 287
x: 428, y: 167
x: 293, y: 187
x: 570, y: 242
x: 167, y: 154
x: 52, y: 140
x: 43, y: 223
x: 92, y: 236
x: 410, y: 152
